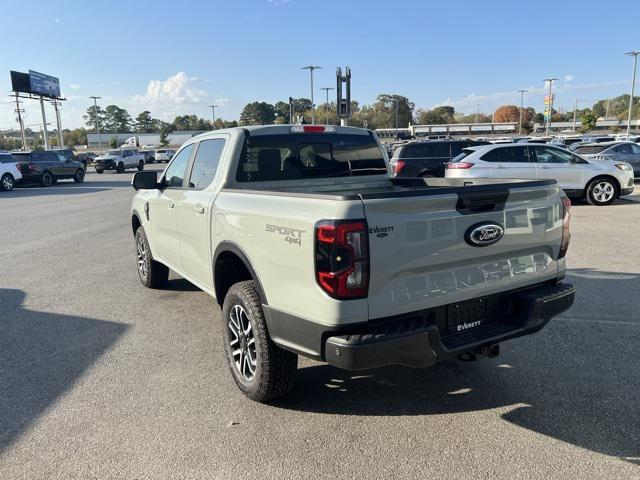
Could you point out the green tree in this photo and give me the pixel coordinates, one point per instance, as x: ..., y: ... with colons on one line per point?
x: 384, y: 111
x: 144, y: 122
x: 75, y: 137
x: 257, y: 113
x: 439, y: 115
x: 91, y: 115
x: 164, y: 133
x: 589, y: 121
x: 116, y: 119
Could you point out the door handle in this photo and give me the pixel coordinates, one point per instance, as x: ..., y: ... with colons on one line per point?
x: 170, y: 204
x: 198, y: 209
x: 501, y: 166
x: 547, y: 167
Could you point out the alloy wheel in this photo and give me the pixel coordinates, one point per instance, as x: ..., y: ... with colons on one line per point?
x: 603, y: 191
x: 142, y: 257
x: 242, y: 342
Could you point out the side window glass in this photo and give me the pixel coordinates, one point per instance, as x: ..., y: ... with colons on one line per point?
x: 635, y: 149
x: 551, y: 155
x: 206, y: 162
x: 174, y: 174
x: 507, y: 155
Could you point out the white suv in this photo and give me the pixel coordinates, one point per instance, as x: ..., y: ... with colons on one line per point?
x: 600, y: 182
x: 9, y: 172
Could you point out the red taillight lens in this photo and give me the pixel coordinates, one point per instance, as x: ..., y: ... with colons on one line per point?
x: 398, y: 166
x: 18, y: 167
x: 566, y: 234
x: 342, y: 258
x: 459, y: 165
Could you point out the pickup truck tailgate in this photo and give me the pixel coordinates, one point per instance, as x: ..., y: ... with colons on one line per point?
x: 421, y: 259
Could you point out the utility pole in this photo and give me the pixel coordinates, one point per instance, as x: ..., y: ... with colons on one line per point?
x: 95, y: 116
x: 213, y: 114
x: 311, y: 68
x: 575, y: 113
x: 60, y: 139
x: 550, y: 80
x: 291, y: 110
x: 45, y: 133
x: 396, y: 101
x: 477, y: 114
x: 21, y: 123
x: 522, y: 92
x: 326, y: 89
x: 633, y: 53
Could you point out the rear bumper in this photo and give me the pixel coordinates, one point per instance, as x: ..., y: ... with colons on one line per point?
x: 414, y: 342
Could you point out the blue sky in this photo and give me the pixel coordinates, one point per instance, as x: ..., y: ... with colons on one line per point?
x: 173, y: 57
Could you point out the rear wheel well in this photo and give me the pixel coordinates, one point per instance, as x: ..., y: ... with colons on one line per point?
x: 135, y: 223
x: 228, y: 270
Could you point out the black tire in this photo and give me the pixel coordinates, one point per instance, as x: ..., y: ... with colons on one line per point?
x: 152, y: 274
x: 120, y: 168
x: 140, y: 165
x: 275, y: 368
x: 7, y: 182
x: 99, y: 170
x: 46, y: 179
x: 602, y: 191
x: 79, y: 176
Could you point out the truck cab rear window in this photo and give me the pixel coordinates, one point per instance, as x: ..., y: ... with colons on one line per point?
x: 305, y: 156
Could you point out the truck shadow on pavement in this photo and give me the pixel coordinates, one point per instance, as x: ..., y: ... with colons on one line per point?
x: 42, y: 355
x: 576, y: 380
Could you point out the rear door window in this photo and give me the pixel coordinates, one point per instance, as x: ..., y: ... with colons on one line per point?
x: 206, y: 162
x: 507, y: 155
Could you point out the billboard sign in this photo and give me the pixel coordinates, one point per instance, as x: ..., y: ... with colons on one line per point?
x: 20, y: 82
x: 44, y: 85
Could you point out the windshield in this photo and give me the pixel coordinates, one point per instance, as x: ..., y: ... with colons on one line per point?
x: 591, y: 149
x: 113, y: 153
x: 308, y: 155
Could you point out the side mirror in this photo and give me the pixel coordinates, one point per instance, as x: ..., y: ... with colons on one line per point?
x: 145, y: 180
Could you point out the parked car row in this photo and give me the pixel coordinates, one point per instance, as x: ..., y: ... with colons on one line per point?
x: 597, y: 172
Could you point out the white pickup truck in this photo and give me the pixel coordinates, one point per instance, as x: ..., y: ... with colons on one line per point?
x: 119, y: 160
x: 311, y: 247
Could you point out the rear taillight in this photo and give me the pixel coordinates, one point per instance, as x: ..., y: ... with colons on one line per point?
x: 18, y: 167
x: 398, y: 166
x: 566, y: 234
x: 459, y: 165
x: 342, y: 258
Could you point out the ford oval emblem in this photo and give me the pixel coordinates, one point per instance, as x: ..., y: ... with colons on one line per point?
x: 483, y: 234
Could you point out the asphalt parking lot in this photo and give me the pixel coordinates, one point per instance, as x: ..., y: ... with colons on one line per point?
x: 102, y: 378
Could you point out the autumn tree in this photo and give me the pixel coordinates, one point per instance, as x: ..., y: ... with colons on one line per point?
x: 506, y: 114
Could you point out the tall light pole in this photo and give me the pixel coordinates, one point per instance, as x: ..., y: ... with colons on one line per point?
x: 311, y: 68
x: 95, y: 115
x: 633, y: 53
x: 522, y: 92
x: 575, y: 114
x: 213, y: 114
x: 326, y: 89
x: 550, y: 80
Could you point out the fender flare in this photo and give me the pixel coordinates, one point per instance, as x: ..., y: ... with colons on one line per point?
x: 228, y: 246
